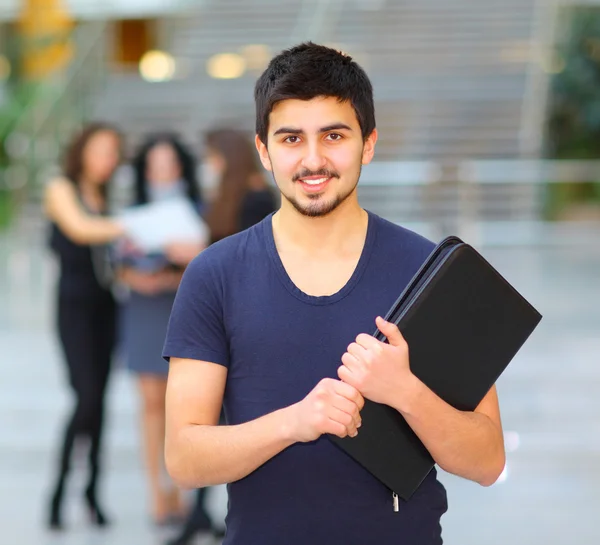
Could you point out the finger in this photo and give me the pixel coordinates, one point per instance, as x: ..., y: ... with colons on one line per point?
x: 390, y: 330
x: 335, y: 428
x: 349, y: 407
x: 358, y: 352
x: 369, y: 342
x: 351, y: 362
x: 341, y: 417
x: 349, y: 392
x: 346, y: 375
x: 353, y: 379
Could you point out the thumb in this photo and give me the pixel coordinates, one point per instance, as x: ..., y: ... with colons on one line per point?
x: 390, y: 330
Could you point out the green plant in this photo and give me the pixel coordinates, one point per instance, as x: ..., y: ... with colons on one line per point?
x: 573, y: 124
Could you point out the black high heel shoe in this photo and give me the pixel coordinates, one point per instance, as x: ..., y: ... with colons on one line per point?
x: 97, y: 516
x: 187, y: 536
x: 54, y: 518
x: 184, y: 538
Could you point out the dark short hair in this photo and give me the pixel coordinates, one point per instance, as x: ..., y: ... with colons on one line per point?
x: 186, y: 159
x: 307, y: 71
x: 73, y: 166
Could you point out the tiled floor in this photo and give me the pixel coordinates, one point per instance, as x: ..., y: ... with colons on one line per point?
x: 550, y: 399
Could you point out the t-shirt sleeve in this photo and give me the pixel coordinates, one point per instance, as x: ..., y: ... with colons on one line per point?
x: 196, y: 328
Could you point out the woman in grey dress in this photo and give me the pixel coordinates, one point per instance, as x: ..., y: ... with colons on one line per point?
x: 163, y: 169
x: 240, y: 198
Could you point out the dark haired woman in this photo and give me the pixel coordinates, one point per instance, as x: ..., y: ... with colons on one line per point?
x: 75, y: 204
x: 242, y: 195
x: 163, y: 170
x: 241, y: 198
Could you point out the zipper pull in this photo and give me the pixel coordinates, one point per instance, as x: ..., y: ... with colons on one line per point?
x: 396, y: 502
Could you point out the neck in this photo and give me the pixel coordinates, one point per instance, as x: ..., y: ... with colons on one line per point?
x: 337, y: 231
x: 91, y: 194
x: 89, y: 188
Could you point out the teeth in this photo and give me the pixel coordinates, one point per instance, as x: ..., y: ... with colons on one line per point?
x: 315, y: 182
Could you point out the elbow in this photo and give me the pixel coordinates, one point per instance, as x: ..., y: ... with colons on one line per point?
x: 493, y: 470
x: 182, y: 481
x: 178, y: 468
x: 79, y: 235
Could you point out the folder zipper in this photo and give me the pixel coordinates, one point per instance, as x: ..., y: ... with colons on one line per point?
x: 396, y: 502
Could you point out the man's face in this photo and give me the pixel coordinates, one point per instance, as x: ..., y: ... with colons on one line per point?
x: 315, y: 151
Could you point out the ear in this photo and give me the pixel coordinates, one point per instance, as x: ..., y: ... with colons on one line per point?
x: 263, y: 153
x: 369, y: 148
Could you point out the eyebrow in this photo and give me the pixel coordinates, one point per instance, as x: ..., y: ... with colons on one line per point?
x: 333, y: 127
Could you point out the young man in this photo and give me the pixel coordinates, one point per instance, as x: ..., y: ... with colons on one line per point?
x: 274, y: 322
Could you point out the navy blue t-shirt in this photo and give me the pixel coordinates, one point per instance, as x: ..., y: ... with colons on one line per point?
x: 236, y: 306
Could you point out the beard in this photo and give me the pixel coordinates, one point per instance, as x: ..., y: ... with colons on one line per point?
x: 320, y: 206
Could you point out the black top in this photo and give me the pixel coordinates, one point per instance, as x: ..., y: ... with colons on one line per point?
x: 85, y: 270
x: 256, y: 206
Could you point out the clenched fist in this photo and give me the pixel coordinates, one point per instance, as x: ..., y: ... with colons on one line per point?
x: 379, y: 371
x: 331, y: 407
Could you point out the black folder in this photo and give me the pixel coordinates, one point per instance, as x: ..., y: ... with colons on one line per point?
x: 463, y: 323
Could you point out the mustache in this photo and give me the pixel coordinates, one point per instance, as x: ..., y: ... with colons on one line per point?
x: 324, y: 173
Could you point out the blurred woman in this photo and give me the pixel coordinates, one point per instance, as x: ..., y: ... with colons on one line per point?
x: 164, y: 170
x: 76, y: 204
x: 240, y: 197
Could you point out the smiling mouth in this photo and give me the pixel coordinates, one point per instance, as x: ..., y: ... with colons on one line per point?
x: 316, y: 181
x: 313, y: 185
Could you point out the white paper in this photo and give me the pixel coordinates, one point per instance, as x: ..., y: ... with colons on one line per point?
x: 151, y: 227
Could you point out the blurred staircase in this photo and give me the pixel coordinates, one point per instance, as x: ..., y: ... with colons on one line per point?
x: 450, y: 77
x: 36, y: 142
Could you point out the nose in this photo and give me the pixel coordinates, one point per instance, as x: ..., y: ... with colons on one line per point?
x: 314, y: 159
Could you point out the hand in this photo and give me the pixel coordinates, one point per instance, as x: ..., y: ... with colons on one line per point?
x: 169, y: 280
x: 379, y: 371
x: 181, y: 253
x: 331, y: 407
x: 144, y: 283
x: 119, y: 229
x: 127, y: 247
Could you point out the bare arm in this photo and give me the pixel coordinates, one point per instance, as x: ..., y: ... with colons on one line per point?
x: 468, y: 444
x: 199, y: 453
x: 62, y: 206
